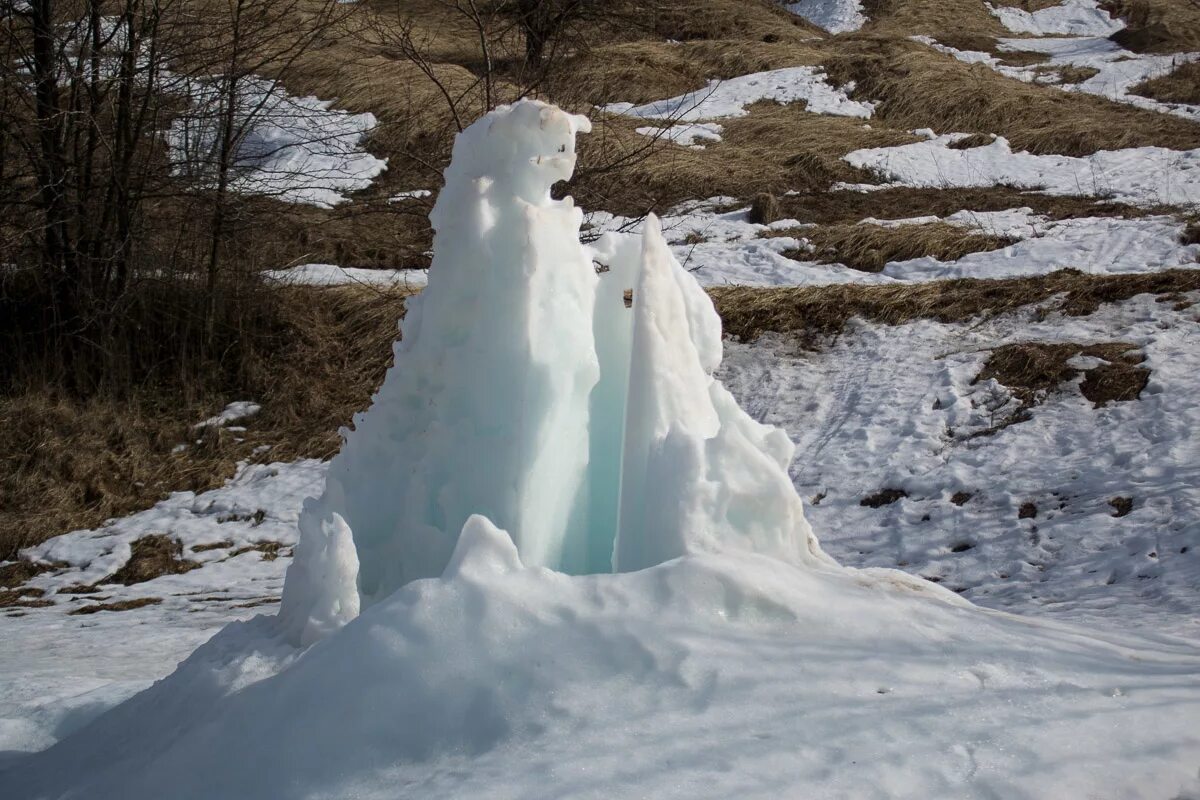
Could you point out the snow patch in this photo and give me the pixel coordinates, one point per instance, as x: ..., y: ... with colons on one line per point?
x: 835, y: 16
x: 1138, y: 175
x: 729, y: 98
x: 297, y: 149
x: 1070, y: 18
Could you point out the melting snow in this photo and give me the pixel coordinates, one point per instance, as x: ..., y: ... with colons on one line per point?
x: 729, y: 98
x: 835, y: 16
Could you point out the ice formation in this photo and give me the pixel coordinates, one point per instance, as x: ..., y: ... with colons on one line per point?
x: 563, y: 392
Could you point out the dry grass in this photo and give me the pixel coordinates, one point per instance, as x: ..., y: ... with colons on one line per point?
x: 915, y: 86
x: 68, y: 463
x: 1156, y: 26
x: 118, y: 605
x: 1032, y: 370
x: 826, y: 208
x: 870, y: 247
x: 937, y: 18
x: 151, y: 557
x: 1180, y: 86
x: 814, y: 312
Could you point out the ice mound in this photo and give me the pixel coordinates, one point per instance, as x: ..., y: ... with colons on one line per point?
x: 572, y: 406
x: 546, y: 418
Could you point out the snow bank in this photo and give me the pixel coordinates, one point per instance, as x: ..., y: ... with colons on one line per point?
x: 729, y: 98
x: 723, y: 247
x: 1070, y: 18
x: 835, y: 16
x: 297, y: 149
x: 1138, y: 175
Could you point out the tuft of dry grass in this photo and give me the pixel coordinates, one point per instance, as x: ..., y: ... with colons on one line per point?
x: 151, y: 557
x: 1032, y: 370
x: 118, y: 605
x: 869, y: 247
x: 1180, y: 86
x: 814, y: 312
x: 972, y: 141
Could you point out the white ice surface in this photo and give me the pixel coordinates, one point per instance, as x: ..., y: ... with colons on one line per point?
x: 1070, y: 18
x: 297, y: 149
x: 1138, y: 175
x: 835, y: 16
x: 333, y: 275
x: 729, y: 98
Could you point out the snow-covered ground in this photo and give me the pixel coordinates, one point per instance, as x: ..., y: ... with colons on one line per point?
x: 724, y: 672
x: 1117, y: 70
x: 881, y: 407
x: 1137, y: 175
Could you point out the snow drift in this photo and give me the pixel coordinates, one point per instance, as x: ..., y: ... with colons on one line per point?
x: 452, y: 625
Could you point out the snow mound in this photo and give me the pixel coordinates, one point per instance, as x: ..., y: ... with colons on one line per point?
x: 729, y: 98
x: 708, y: 676
x: 1070, y: 18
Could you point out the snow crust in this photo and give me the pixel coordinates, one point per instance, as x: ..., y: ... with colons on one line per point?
x: 835, y: 16
x: 1070, y: 18
x: 1138, y: 175
x: 729, y: 98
